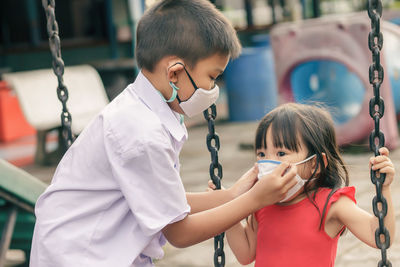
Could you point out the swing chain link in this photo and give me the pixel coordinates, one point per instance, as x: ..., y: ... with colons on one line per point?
x: 58, y: 68
x: 213, y: 145
x: 377, y: 138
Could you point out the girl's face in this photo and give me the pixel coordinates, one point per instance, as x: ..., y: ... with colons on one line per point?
x: 283, y: 154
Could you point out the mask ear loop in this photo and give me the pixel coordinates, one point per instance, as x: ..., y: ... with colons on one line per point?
x: 190, y: 77
x: 305, y: 160
x: 174, y: 93
x: 307, y: 182
x: 191, y: 80
x: 314, y: 172
x: 174, y: 86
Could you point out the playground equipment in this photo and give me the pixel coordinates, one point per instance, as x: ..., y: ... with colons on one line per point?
x: 326, y: 60
x: 250, y: 82
x: 392, y: 59
x: 40, y: 106
x: 13, y: 124
x: 18, y: 194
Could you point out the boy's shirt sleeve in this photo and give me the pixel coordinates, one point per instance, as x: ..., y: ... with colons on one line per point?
x: 146, y: 170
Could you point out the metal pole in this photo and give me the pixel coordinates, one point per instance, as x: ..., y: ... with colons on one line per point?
x: 249, y: 13
x: 272, y: 4
x: 304, y: 11
x: 316, y: 10
x: 111, y: 29
x: 33, y: 21
x: 136, y: 9
x: 7, y: 234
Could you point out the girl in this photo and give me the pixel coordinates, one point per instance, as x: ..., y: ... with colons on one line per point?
x: 303, y: 229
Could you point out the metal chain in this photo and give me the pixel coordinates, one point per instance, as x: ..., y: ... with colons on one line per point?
x: 58, y: 68
x: 213, y: 146
x: 377, y: 138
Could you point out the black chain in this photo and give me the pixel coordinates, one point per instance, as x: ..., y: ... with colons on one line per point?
x: 58, y: 68
x: 213, y: 146
x: 377, y: 138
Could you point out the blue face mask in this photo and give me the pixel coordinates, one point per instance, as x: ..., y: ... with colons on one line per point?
x: 267, y: 166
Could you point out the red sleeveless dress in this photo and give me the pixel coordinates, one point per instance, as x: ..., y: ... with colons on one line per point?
x: 289, y: 236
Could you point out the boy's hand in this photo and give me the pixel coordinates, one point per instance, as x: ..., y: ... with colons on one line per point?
x: 242, y: 185
x: 245, y: 182
x: 273, y: 187
x: 384, y: 165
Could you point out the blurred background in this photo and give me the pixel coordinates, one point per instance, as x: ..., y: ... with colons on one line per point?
x: 307, y: 51
x: 100, y: 33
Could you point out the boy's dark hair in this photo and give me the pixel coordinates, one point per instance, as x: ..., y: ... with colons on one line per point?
x: 189, y: 29
x: 293, y: 122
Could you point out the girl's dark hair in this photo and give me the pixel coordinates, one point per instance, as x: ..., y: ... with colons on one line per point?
x: 313, y: 125
x: 189, y: 29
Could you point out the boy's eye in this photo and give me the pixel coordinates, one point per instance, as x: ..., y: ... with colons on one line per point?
x: 281, y: 154
x: 261, y: 154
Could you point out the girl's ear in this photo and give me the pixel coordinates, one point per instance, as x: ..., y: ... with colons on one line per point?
x: 324, y: 159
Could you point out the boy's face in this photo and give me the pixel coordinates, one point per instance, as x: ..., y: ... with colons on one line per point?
x: 204, y: 74
x: 206, y: 71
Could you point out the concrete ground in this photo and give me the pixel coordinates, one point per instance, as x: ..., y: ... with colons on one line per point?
x: 195, y: 160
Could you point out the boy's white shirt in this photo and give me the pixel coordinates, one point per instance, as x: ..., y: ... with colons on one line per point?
x: 115, y: 188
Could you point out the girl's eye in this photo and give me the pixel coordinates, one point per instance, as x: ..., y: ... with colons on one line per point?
x: 261, y: 154
x: 281, y: 154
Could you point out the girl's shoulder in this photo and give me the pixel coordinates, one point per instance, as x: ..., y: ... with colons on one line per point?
x: 328, y: 196
x: 325, y: 197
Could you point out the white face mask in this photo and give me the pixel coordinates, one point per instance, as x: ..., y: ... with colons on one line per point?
x: 267, y: 166
x: 199, y: 101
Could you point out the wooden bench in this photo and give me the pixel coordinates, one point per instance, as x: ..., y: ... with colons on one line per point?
x: 18, y: 194
x: 37, y: 94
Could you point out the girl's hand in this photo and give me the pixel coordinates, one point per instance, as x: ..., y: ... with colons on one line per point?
x: 212, y: 187
x: 384, y: 165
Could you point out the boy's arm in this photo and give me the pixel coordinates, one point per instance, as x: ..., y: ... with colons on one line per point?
x: 208, y: 200
x: 203, y: 225
x: 362, y: 224
x: 242, y: 239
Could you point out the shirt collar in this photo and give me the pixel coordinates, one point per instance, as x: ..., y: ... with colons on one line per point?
x: 152, y: 99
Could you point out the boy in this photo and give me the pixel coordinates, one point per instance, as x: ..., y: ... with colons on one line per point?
x: 116, y: 196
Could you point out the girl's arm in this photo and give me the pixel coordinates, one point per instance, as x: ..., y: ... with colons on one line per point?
x: 362, y: 224
x: 242, y: 239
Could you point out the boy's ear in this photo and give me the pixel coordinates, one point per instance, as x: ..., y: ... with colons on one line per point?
x: 174, y: 68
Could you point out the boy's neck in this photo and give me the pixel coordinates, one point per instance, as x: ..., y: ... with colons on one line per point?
x: 154, y: 79
x: 158, y: 81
